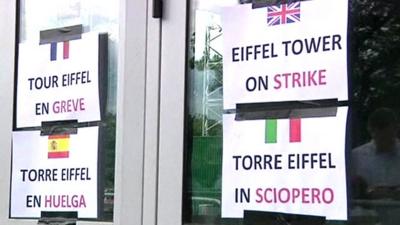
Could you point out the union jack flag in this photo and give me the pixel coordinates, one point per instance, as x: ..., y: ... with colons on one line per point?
x: 282, y: 14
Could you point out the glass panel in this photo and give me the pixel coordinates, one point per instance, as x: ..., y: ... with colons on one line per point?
x: 374, y: 70
x: 202, y: 192
x: 99, y: 16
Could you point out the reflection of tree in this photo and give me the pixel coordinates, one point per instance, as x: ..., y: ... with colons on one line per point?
x: 112, y: 76
x: 214, y: 64
x: 204, y: 160
x: 375, y: 59
x: 206, y: 164
x: 196, y: 123
x: 109, y: 148
x: 109, y: 127
x: 208, y: 68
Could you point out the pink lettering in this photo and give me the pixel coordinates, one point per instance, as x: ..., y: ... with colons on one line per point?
x: 70, y: 105
x: 65, y: 201
x: 303, y: 79
x: 295, y: 195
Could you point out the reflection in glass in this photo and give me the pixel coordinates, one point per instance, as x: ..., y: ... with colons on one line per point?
x: 374, y: 71
x: 204, y: 156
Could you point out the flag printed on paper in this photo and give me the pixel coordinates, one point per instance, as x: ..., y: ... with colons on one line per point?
x: 53, y: 50
x: 271, y: 130
x: 282, y: 14
x: 58, y: 146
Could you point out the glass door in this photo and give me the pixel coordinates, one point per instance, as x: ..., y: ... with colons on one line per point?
x: 191, y: 108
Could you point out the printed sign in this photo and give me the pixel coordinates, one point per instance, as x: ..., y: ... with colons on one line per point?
x: 287, y: 165
x: 58, y: 81
x: 294, y: 51
x: 54, y: 173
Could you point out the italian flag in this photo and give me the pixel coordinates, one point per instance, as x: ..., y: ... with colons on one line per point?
x: 271, y: 127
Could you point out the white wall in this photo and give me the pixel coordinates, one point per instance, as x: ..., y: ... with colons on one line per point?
x: 7, y: 43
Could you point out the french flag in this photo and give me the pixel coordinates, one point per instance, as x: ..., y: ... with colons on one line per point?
x: 53, y: 50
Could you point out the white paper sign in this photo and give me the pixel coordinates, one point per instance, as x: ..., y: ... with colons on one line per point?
x: 285, y: 166
x: 58, y: 82
x: 295, y: 52
x: 54, y: 173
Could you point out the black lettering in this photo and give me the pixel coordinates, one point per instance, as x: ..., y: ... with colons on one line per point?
x: 248, y: 52
x: 263, y: 82
x: 325, y: 46
x: 299, y: 43
x: 331, y: 166
x: 257, y: 162
x: 30, y: 83
x: 265, y: 51
x: 250, y: 162
x: 256, y: 51
x: 23, y: 171
x: 29, y: 201
x: 38, y: 83
x: 290, y: 161
x: 336, y: 41
x: 273, y: 54
x: 234, y: 54
x: 278, y: 162
x: 33, y: 201
x: 236, y: 157
x: 42, y: 108
x: 251, y: 84
x: 242, y: 195
x: 285, y: 43
x: 312, y: 45
x: 267, y: 161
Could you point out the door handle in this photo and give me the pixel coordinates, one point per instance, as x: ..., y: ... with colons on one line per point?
x: 157, y: 8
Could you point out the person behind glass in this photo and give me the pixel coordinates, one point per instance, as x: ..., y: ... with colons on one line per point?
x: 376, y: 164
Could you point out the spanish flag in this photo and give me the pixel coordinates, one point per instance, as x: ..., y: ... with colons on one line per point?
x: 58, y: 146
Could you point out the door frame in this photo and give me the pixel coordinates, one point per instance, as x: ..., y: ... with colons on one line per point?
x: 172, y: 112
